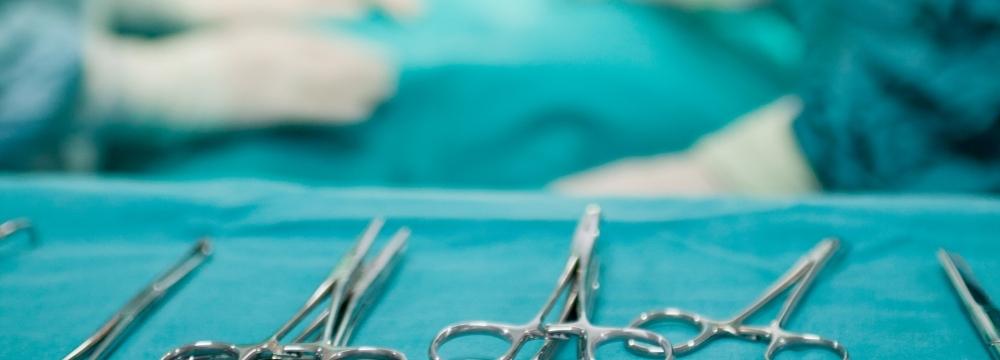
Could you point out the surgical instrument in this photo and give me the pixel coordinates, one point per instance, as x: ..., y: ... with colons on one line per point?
x: 345, y: 310
x: 108, y: 336
x: 348, y: 286
x: 984, y: 315
x: 798, y: 279
x: 13, y: 226
x: 578, y: 281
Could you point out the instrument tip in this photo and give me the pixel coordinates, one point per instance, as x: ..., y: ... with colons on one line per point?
x: 204, y: 246
x: 10, y: 227
x: 400, y: 238
x: 947, y: 258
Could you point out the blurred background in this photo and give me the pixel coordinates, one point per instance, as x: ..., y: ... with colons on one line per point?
x: 577, y: 96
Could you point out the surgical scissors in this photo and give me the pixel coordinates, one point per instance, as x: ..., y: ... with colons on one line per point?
x: 799, y: 278
x: 108, y: 336
x: 348, y: 286
x: 983, y: 314
x: 579, y: 282
x: 13, y: 226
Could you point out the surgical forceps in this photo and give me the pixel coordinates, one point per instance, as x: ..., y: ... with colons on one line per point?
x: 579, y: 281
x: 349, y: 287
x: 13, y: 226
x: 108, y: 336
x: 798, y: 278
x: 983, y: 314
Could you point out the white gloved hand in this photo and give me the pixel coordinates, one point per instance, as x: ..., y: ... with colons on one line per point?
x: 755, y: 154
x: 652, y: 176
x: 709, y: 4
x: 203, y: 12
x: 238, y: 76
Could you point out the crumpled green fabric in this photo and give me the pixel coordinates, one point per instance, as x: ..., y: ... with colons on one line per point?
x: 901, y: 95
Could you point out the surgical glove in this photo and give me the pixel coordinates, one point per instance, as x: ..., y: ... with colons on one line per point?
x: 709, y: 4
x: 756, y: 154
x: 670, y: 174
x: 237, y: 76
x: 190, y: 13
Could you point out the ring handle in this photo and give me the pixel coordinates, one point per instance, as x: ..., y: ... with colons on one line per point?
x: 784, y: 340
x: 366, y: 352
x: 630, y: 335
x: 706, y: 329
x: 203, y: 350
x: 513, y: 334
x: 325, y: 352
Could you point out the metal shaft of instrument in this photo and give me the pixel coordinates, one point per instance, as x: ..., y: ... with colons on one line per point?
x: 791, y: 277
x: 10, y: 227
x: 372, y: 278
x: 816, y: 259
x: 578, y: 276
x: 370, y: 285
x: 361, y: 296
x: 325, y: 288
x: 348, y: 271
x: 570, y: 312
x: 108, y: 336
x: 584, y: 239
x: 981, y: 311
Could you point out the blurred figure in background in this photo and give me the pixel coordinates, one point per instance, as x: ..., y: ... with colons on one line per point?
x: 71, y: 67
x: 894, y: 96
x: 40, y: 60
x: 863, y: 97
x: 488, y: 94
x: 900, y: 96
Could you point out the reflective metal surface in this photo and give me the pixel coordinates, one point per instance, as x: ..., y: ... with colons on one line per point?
x: 798, y: 279
x: 351, y: 287
x: 108, y: 336
x: 13, y: 226
x: 579, y: 284
x: 984, y: 315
